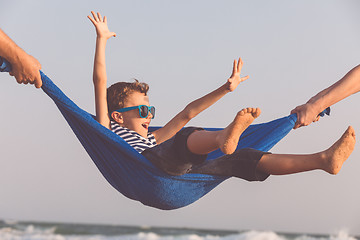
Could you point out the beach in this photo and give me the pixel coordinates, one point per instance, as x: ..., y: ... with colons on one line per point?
x: 17, y: 230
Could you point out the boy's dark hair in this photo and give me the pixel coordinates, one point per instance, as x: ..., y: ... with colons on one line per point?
x: 118, y: 92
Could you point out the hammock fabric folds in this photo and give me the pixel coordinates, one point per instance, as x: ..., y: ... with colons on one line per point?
x: 132, y: 174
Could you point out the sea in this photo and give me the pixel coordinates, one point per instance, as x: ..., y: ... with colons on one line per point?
x: 17, y: 230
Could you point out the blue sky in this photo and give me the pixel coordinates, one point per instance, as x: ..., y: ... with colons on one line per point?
x: 183, y: 49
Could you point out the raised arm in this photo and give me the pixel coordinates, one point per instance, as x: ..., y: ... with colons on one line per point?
x: 99, y: 74
x: 25, y: 68
x: 348, y: 85
x: 199, y: 105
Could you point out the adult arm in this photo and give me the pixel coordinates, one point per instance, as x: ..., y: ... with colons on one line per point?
x: 99, y: 73
x: 343, y: 88
x: 25, y: 68
x: 199, y: 105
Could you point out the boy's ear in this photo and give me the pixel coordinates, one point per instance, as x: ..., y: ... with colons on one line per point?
x: 117, y: 117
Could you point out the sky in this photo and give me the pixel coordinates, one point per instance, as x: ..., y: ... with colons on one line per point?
x: 183, y: 50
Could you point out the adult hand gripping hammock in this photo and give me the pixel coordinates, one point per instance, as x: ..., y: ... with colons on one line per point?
x: 131, y: 173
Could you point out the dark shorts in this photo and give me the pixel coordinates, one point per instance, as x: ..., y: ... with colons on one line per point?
x: 242, y: 164
x: 174, y: 158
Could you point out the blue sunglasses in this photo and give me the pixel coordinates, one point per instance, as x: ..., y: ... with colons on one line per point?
x: 143, y: 110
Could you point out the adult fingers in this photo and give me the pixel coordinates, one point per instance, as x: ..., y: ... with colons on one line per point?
x: 301, y: 123
x: 19, y: 78
x: 38, y: 81
x: 298, y: 124
x: 298, y: 121
x: 296, y: 110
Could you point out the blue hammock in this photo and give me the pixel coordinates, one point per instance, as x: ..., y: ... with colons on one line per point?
x: 132, y: 174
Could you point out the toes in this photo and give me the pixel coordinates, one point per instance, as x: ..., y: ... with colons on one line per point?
x: 253, y: 111
x: 246, y: 110
x: 258, y: 112
x: 242, y: 112
x: 351, y: 130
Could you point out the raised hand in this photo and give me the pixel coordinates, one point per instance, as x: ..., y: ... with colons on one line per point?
x: 235, y: 78
x: 101, y: 26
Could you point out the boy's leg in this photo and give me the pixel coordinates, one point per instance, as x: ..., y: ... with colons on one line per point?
x: 204, y: 142
x: 253, y: 165
x: 329, y: 160
x: 242, y: 164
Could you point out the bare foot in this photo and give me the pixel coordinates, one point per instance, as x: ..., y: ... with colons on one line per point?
x: 340, y: 151
x: 229, y: 138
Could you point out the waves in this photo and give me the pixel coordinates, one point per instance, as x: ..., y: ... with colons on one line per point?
x: 12, y: 230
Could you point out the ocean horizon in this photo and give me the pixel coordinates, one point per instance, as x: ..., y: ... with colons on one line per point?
x: 33, y: 230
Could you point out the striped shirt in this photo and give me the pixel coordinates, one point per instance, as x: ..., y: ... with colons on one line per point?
x: 135, y: 140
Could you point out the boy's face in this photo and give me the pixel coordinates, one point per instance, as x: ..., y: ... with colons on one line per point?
x: 132, y: 119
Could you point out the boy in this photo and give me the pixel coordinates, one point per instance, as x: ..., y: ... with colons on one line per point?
x: 176, y: 150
